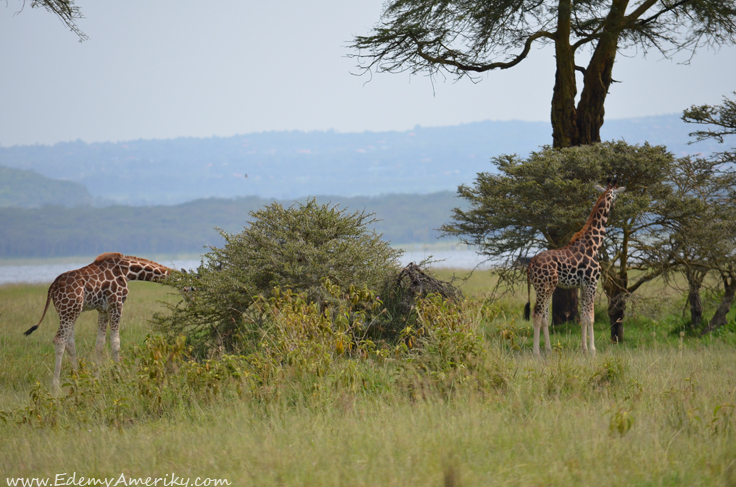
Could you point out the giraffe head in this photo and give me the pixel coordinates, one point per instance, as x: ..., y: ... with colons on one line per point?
x: 595, y: 228
x: 610, y: 192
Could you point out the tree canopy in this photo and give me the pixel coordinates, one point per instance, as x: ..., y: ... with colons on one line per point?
x: 466, y: 37
x: 709, y: 242
x: 701, y: 226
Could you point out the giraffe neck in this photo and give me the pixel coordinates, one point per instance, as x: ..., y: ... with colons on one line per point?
x: 138, y: 269
x: 591, y: 235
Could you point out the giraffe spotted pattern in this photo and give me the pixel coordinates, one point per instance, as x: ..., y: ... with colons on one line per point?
x: 573, y: 266
x: 100, y: 286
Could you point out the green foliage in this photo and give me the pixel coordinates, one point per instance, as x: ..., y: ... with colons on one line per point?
x: 299, y: 335
x: 542, y: 200
x: 302, y: 353
x: 621, y: 421
x: 293, y: 248
x: 155, y: 380
x: 446, y: 351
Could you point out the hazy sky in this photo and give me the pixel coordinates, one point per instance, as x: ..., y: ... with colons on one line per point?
x: 170, y: 68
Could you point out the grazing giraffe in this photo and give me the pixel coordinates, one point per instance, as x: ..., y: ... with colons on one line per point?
x: 572, y: 266
x: 101, y: 286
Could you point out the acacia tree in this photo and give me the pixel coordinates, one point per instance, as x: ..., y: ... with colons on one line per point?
x: 700, y: 217
x: 721, y: 249
x: 523, y: 208
x: 468, y: 37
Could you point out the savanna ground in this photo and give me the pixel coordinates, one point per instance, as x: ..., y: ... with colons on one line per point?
x: 657, y: 410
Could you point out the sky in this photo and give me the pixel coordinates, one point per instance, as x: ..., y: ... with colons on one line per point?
x: 173, y: 68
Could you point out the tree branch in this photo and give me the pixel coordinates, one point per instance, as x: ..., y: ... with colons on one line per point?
x: 663, y: 11
x: 67, y: 12
x: 479, y: 68
x: 643, y: 279
x: 640, y: 11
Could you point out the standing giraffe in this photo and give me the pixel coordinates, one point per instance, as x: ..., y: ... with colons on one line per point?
x: 572, y: 266
x: 101, y: 286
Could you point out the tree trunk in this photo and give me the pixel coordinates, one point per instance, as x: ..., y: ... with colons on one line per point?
x: 719, y: 319
x: 597, y: 78
x: 694, y: 283
x: 565, y: 306
x: 616, y: 289
x: 564, y: 115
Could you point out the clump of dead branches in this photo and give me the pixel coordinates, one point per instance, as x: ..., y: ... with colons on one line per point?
x: 413, y: 283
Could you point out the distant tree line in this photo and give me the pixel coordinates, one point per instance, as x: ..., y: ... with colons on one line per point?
x: 55, y: 231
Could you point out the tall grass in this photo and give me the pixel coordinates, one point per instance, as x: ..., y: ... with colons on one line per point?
x: 656, y: 411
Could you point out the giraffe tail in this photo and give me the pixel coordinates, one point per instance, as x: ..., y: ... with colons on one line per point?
x: 33, y: 328
x: 528, y: 307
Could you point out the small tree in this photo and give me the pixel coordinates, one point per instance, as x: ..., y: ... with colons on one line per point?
x: 295, y: 248
x: 700, y: 215
x: 721, y: 248
x: 540, y: 202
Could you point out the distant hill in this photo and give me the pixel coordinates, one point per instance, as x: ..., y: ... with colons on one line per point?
x: 296, y: 164
x: 28, y: 189
x: 54, y: 231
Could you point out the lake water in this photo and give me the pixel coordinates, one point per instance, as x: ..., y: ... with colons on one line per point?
x: 457, y: 259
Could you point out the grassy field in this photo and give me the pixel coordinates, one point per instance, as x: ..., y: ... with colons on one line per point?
x: 657, y: 410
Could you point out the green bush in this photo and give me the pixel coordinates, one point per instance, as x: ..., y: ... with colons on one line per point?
x: 293, y: 248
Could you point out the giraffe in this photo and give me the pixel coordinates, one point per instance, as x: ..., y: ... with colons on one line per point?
x: 101, y: 286
x: 572, y: 266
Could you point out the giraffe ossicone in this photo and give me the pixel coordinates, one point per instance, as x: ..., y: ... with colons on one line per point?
x: 572, y: 266
x: 100, y: 286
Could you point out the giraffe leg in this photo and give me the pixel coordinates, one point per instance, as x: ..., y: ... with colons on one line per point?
x: 59, y: 345
x: 545, y: 322
x: 588, y: 316
x: 102, y: 318
x: 66, y: 330
x: 71, y: 349
x: 591, y: 337
x: 541, y: 314
x: 537, y: 324
x: 115, y: 314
